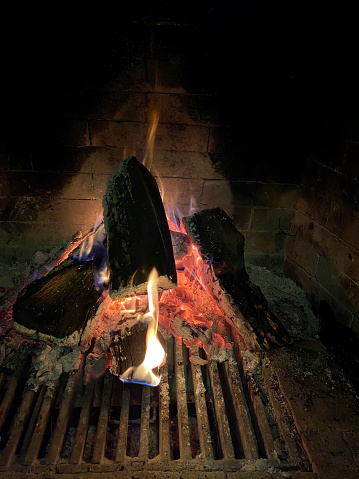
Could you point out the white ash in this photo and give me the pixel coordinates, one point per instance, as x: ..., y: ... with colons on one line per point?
x: 50, y: 362
x: 287, y: 301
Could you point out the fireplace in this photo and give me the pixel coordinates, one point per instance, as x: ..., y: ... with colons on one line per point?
x: 268, y: 144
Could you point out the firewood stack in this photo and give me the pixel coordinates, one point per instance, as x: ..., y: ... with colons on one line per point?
x: 138, y: 239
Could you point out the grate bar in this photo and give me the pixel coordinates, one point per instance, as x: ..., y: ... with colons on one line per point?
x: 272, y: 448
x: 164, y: 408
x: 204, y: 430
x: 248, y: 439
x: 123, y: 427
x: 223, y: 426
x: 9, y: 395
x: 183, y: 424
x: 32, y: 422
x: 81, y: 432
x: 40, y: 426
x: 64, y: 415
x: 101, y: 431
x: 145, y: 424
x: 17, y: 428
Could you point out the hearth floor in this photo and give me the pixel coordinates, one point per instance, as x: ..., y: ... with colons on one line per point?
x: 282, y: 415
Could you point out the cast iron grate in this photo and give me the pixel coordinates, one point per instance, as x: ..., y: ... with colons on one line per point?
x: 200, y: 418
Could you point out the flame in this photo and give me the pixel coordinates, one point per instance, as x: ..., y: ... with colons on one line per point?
x: 155, y: 353
x: 151, y: 138
x: 92, y: 248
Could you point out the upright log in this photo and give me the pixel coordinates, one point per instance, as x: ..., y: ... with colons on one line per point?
x: 138, y: 237
x: 243, y: 303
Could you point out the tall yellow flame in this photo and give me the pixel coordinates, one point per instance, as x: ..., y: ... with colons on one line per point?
x: 155, y: 353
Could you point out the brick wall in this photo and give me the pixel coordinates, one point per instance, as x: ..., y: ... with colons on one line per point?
x: 323, y: 253
x: 88, y: 102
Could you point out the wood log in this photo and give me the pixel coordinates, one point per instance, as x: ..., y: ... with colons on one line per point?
x: 242, y: 302
x: 138, y: 237
x: 128, y: 347
x: 57, y: 307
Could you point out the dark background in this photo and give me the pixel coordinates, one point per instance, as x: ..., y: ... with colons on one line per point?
x: 284, y: 71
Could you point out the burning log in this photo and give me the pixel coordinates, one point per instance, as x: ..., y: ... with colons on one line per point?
x: 243, y: 303
x: 57, y: 307
x: 128, y: 348
x: 138, y: 349
x: 138, y: 237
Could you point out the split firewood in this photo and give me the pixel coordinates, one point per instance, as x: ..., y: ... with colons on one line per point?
x: 138, y: 237
x: 128, y: 348
x: 242, y: 302
x: 57, y: 307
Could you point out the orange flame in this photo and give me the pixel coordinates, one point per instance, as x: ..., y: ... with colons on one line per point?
x: 155, y: 353
x: 148, y: 159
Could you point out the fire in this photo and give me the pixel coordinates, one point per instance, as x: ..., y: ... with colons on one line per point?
x: 155, y: 353
x: 151, y: 138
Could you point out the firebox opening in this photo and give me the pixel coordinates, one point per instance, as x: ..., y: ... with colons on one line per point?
x: 257, y: 126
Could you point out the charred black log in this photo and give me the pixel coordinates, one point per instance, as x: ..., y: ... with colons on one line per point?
x: 58, y: 305
x: 242, y: 302
x: 138, y: 237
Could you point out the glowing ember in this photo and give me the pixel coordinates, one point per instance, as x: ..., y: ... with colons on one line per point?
x: 155, y: 353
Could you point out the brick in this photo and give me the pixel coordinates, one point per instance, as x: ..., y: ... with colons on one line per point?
x: 268, y: 219
x: 313, y: 205
x: 165, y: 76
x: 264, y: 242
x: 101, y: 160
x: 182, y: 138
x: 337, y: 284
x: 43, y: 184
x: 316, y: 293
x: 273, y: 262
x: 130, y: 106
x: 249, y: 475
x: 218, y: 192
x: 57, y: 234
x: 121, y: 135
x: 61, y: 133
x: 77, y: 212
x: 25, y: 208
x: 226, y: 140
x: 46, y: 158
x: 132, y: 78
x: 175, y: 109
x: 294, y: 475
x: 100, y: 185
x: 329, y: 183
x: 301, y: 277
x: 343, y: 221
x: 234, y: 157
x: 183, y: 165
x: 15, y: 160
x: 302, y: 253
x: 253, y: 194
x: 84, y: 104
x: 342, y: 256
x: 241, y: 217
x: 180, y: 191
